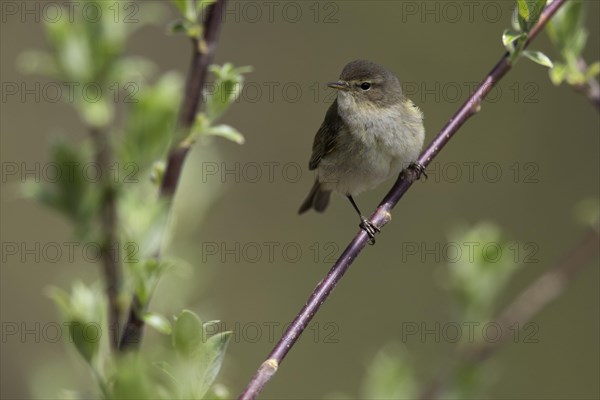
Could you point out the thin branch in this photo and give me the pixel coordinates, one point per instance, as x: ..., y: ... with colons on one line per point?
x: 109, y: 246
x: 531, y: 301
x: 202, y: 56
x: 193, y: 93
x: 590, y: 89
x: 381, y: 216
x: 545, y: 289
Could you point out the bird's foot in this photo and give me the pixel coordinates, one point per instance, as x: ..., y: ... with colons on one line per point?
x: 368, y: 227
x: 414, y: 171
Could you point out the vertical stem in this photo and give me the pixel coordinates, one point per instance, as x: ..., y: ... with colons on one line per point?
x: 110, y: 244
x: 193, y: 93
x: 196, y: 79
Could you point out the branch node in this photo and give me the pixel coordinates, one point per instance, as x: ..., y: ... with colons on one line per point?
x: 386, y: 217
x: 270, y: 366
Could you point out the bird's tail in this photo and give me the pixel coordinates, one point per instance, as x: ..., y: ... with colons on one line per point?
x: 317, y: 199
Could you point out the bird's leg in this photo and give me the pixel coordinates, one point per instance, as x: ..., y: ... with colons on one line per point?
x: 364, y: 223
x: 414, y: 171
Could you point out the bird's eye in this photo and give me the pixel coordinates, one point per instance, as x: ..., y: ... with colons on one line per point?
x: 365, y: 86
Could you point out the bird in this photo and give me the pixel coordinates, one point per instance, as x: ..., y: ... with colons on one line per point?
x: 371, y: 132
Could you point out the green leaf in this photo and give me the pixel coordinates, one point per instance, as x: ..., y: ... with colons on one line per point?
x: 529, y: 13
x: 132, y: 379
x: 84, y: 309
x: 145, y: 273
x: 536, y: 11
x: 514, y: 20
x: 60, y: 298
x: 210, y: 361
x: 158, y: 322
x: 196, y: 31
x: 150, y: 123
x: 523, y: 14
x: 178, y: 26
x: 190, y: 12
x: 188, y: 334
x: 84, y: 51
x: 574, y: 76
x: 538, y: 57
x: 187, y: 9
x: 557, y: 73
x: 226, y: 89
x: 75, y: 58
x: 575, y: 45
x: 85, y: 335
x: 592, y: 70
x: 200, y: 127
x: 390, y: 376
x: 70, y: 187
x: 98, y: 114
x: 183, y: 26
x: 167, y: 369
x: 227, y: 132
x: 469, y: 380
x: 565, y: 24
x: 479, y: 275
x: 133, y: 72
x: 181, y: 5
x: 509, y: 37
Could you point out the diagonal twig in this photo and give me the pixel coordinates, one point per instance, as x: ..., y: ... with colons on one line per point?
x: 381, y: 216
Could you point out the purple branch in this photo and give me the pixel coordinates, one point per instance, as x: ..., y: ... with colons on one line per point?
x: 132, y: 334
x: 381, y: 216
x: 193, y: 93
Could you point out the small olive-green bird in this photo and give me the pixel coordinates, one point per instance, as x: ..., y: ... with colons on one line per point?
x: 370, y: 133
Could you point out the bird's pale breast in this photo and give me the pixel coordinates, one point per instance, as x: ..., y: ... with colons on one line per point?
x: 377, y: 144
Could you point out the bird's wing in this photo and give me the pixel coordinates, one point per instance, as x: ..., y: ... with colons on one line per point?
x: 326, y: 137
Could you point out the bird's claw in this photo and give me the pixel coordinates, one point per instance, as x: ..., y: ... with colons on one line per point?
x: 416, y: 170
x: 369, y: 228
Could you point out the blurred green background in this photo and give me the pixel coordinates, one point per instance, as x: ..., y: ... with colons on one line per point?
x: 543, y: 141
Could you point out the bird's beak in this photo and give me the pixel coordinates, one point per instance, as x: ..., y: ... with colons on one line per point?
x: 339, y: 85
